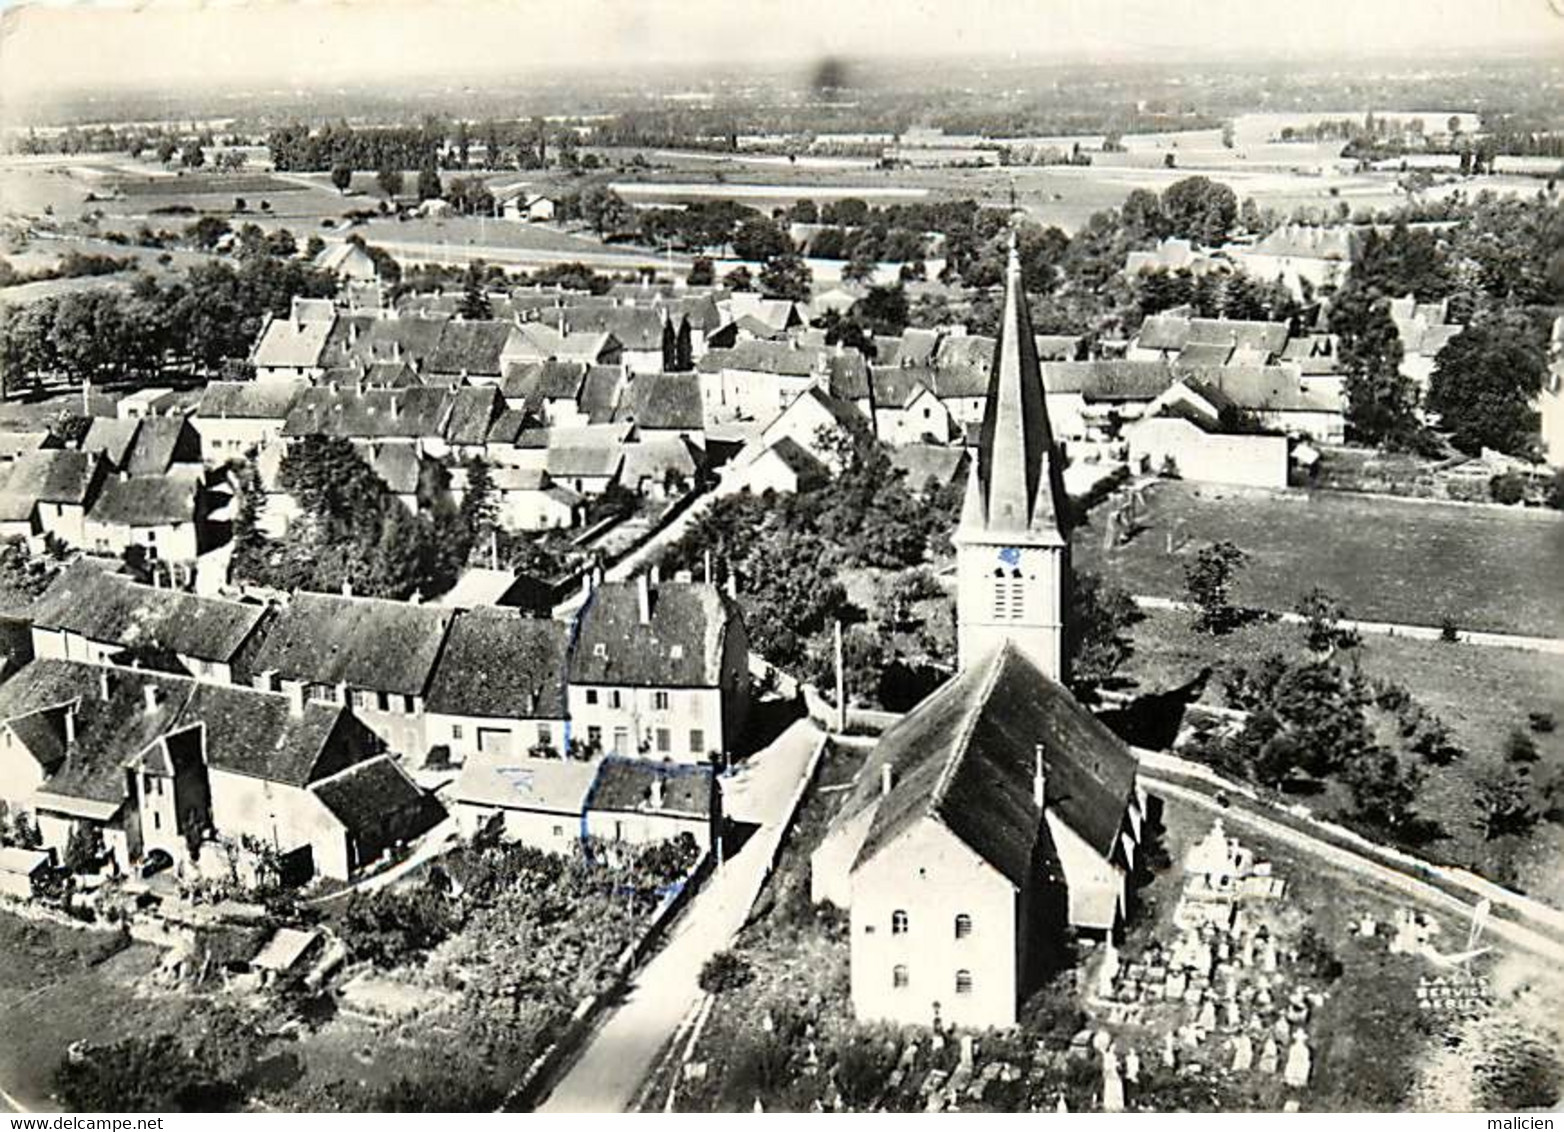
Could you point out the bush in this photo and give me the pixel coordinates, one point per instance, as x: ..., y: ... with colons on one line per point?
x: 1448, y: 632
x: 725, y: 971
x: 1520, y: 747
x: 1507, y: 488
x: 1542, y: 722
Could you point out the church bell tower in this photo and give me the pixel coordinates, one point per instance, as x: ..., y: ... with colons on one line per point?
x: 1013, y: 541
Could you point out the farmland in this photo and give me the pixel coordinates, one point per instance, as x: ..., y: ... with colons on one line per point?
x: 1386, y: 559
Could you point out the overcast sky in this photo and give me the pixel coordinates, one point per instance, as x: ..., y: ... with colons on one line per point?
x: 53, y: 45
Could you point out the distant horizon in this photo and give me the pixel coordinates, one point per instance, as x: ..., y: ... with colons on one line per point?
x: 50, y: 53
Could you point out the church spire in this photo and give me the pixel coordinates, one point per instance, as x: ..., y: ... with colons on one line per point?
x: 1016, y: 486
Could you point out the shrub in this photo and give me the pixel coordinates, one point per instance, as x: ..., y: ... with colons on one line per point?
x: 1507, y: 488
x: 1542, y: 722
x: 725, y: 971
x: 1520, y: 747
x: 1448, y: 633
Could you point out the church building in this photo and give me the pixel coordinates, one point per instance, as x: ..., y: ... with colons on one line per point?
x: 1000, y: 813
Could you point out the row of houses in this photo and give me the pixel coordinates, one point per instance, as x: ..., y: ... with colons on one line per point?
x: 656, y: 667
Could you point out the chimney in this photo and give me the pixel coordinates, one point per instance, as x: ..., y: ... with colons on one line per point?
x: 296, y: 699
x: 347, y: 588
x: 105, y: 687
x: 70, y: 724
x: 657, y: 574
x: 885, y: 779
x: 656, y: 799
x: 643, y: 593
x: 1039, y: 780
x: 733, y: 584
x: 152, y: 697
x: 706, y: 563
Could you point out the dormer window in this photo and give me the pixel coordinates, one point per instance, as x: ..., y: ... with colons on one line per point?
x: 600, y: 650
x: 675, y: 652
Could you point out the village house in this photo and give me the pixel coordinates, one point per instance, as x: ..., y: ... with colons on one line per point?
x: 237, y: 417
x: 293, y: 347
x: 660, y: 668
x: 539, y: 342
x: 562, y: 394
x: 144, y: 446
x: 1201, y: 342
x: 372, y: 655
x: 348, y: 261
x: 649, y: 341
x: 1306, y: 259
x: 784, y: 465
x: 758, y: 379
x: 1424, y: 330
x: 475, y: 352
x: 92, y: 615
x: 999, y: 812
x: 906, y: 409
x: 663, y: 405
x: 661, y: 466
x: 498, y: 687
x: 160, y: 764
x: 528, y: 499
x: 48, y: 493
x: 164, y: 516
x: 1173, y: 254
x: 1186, y: 441
x: 815, y: 421
x: 557, y: 804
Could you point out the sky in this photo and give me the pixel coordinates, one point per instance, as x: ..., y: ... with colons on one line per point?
x: 58, y: 45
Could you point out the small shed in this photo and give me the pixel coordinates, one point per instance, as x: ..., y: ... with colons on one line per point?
x: 286, y: 952
x: 20, y: 871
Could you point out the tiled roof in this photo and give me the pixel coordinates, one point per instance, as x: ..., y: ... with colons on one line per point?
x: 626, y: 786
x: 368, y: 413
x: 1108, y: 380
x: 966, y: 756
x: 52, y: 475
x: 473, y: 410
x: 473, y: 348
x: 555, y: 786
x: 500, y: 664
x: 247, y: 400
x: 373, y: 799
x: 291, y: 345
x: 160, y: 443
x: 100, y: 606
x: 924, y: 462
x: 680, y: 646
x: 148, y: 501
x: 636, y: 328
x: 663, y: 401
x: 386, y: 646
x: 111, y: 438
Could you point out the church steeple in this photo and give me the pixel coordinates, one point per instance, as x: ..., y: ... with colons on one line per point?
x: 1012, y: 546
x: 1016, y: 486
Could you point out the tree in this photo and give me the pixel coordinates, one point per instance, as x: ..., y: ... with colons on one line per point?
x: 1209, y: 582
x: 389, y: 178
x: 761, y: 238
x: 342, y: 177
x: 884, y: 309
x: 1200, y: 209
x: 605, y: 210
x: 429, y: 183
x: 192, y: 156
x: 1099, y: 619
x: 475, y: 296
x: 725, y: 971
x: 786, y: 277
x: 1483, y: 386
x: 84, y: 848
x: 1381, y: 400
x: 1322, y: 615
x: 701, y: 272
x: 1504, y: 802
x: 479, y: 511
x: 739, y: 279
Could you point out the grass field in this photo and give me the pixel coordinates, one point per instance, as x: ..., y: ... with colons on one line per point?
x: 1386, y: 559
x: 57, y: 988
x: 1481, y: 693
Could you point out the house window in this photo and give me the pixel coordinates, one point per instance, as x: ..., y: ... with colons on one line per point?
x: 963, y: 982
x: 364, y: 700
x: 697, y: 741
x: 614, y: 699
x: 899, y: 976
x: 594, y: 736
x: 621, y: 741
x: 659, y: 701
x: 456, y: 731
x: 545, y: 737
x: 898, y: 922
x: 382, y: 701
x: 323, y: 693
x: 157, y: 820
x: 664, y: 740
x: 591, y: 697
x: 963, y: 926
x: 559, y: 831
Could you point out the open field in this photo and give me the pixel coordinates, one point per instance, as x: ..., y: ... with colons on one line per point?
x: 57, y: 987
x: 1481, y: 693
x: 1386, y: 559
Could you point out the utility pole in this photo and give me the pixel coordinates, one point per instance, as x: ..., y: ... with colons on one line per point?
x: 841, y: 683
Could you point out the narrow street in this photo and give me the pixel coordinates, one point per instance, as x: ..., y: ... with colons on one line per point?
x: 617, y: 1058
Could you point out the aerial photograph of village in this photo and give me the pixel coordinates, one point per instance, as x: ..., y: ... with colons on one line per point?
x: 782, y: 557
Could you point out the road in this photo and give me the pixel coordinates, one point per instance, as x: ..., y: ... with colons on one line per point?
x: 609, y: 1072
x: 1554, y: 645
